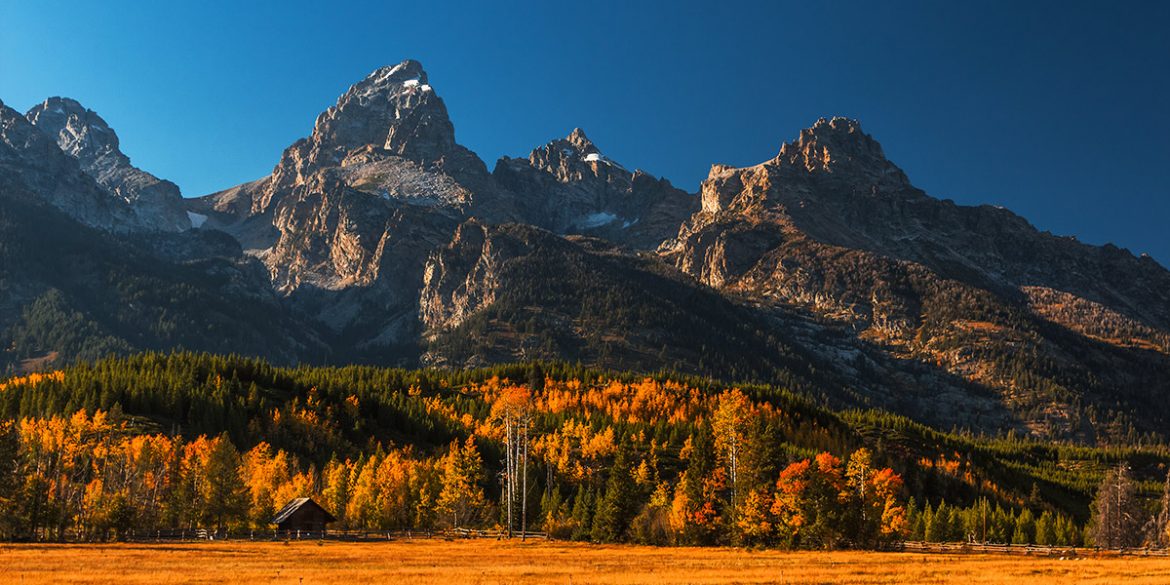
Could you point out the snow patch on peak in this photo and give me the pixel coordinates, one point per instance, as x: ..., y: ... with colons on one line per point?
x: 385, y: 73
x: 601, y: 158
x: 596, y: 220
x: 197, y: 219
x: 410, y: 83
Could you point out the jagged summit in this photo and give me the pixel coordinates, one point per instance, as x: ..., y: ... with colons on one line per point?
x: 568, y: 159
x: 568, y: 186
x: 394, y: 107
x: 384, y: 135
x: 578, y: 139
x: 84, y: 135
x: 833, y: 155
x: 79, y: 131
x: 837, y: 145
x: 31, y: 160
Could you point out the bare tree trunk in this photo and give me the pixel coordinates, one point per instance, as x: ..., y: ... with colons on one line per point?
x: 524, y: 488
x: 509, y: 446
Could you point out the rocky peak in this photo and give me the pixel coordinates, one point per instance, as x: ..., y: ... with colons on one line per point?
x: 578, y: 139
x: 31, y: 160
x: 79, y: 131
x: 574, y: 158
x: 395, y: 108
x: 837, y: 145
x: 394, y: 116
x: 568, y: 186
x: 84, y: 135
x: 834, y: 156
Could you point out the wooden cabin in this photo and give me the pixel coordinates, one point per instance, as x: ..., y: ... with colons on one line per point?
x: 302, y: 515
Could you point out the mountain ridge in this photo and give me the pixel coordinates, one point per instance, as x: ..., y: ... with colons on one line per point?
x: 388, y: 242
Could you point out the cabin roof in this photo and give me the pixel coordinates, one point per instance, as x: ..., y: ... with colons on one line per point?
x: 296, y: 504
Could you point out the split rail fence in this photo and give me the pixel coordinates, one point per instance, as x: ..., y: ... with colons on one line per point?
x: 1066, y: 552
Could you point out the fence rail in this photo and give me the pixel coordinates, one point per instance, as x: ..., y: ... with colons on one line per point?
x: 339, y: 535
x: 1022, y: 549
x: 200, y: 534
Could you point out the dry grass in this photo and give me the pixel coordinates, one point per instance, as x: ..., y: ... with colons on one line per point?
x: 490, y: 562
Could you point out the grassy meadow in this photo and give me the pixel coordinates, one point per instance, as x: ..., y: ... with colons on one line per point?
x: 438, y: 562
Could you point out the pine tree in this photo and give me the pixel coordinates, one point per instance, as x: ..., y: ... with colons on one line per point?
x: 1046, y: 529
x: 461, y: 498
x: 621, y: 501
x: 224, y: 494
x: 583, y: 505
x: 9, y: 477
x: 1025, y: 532
x: 1160, y: 529
x: 938, y: 529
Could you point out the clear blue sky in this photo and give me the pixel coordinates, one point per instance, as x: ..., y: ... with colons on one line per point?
x: 1056, y: 110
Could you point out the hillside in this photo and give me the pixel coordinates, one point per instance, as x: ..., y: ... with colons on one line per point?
x: 306, y: 429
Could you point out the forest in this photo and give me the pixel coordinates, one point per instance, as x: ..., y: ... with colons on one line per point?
x: 126, y: 446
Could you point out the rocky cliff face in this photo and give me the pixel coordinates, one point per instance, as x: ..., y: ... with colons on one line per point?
x: 569, y: 187
x: 31, y: 160
x: 82, y: 134
x: 834, y: 185
x: 347, y: 218
x: 388, y: 135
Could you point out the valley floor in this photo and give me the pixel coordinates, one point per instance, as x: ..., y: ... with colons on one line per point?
x: 491, y: 562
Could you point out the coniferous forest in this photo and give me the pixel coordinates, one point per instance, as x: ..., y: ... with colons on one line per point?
x: 125, y: 447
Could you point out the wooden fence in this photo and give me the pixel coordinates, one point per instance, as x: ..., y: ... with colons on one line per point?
x: 1066, y: 552
x: 338, y: 535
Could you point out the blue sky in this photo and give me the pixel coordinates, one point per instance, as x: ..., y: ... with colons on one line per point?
x: 1055, y: 110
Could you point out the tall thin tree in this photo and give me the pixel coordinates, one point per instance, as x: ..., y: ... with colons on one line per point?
x: 1116, y: 511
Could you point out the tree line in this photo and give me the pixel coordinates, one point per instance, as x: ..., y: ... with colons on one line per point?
x: 127, y: 446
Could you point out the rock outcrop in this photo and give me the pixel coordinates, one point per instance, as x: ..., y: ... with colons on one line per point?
x: 30, y: 159
x: 349, y: 215
x: 84, y: 135
x: 569, y: 187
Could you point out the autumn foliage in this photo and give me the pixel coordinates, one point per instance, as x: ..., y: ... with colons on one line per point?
x: 126, y: 448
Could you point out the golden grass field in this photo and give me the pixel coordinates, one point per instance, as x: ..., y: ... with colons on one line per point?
x: 407, y: 562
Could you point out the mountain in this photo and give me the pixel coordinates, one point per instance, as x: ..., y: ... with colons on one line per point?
x: 85, y: 136
x: 567, y: 186
x: 31, y: 161
x: 380, y: 239
x: 1058, y: 329
x: 70, y: 291
x: 348, y: 218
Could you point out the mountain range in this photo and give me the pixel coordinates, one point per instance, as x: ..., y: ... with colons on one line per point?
x: 380, y: 239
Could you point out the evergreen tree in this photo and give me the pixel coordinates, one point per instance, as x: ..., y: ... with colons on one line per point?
x: 9, y: 478
x: 224, y: 494
x: 1046, y: 529
x: 939, y: 528
x: 1025, y: 532
x: 1160, y: 525
x: 461, y: 498
x: 583, y: 505
x: 620, y: 503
